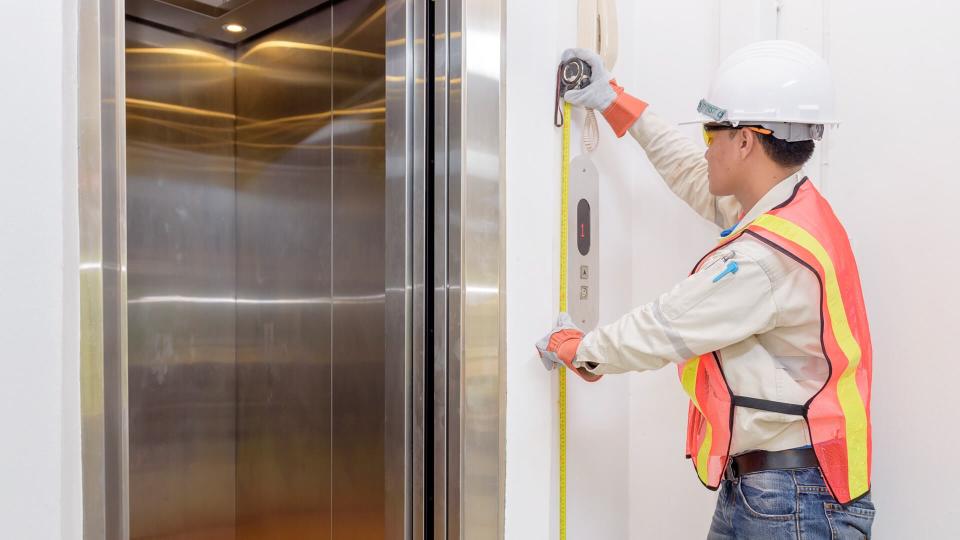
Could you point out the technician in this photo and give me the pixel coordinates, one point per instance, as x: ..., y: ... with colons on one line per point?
x: 769, y: 332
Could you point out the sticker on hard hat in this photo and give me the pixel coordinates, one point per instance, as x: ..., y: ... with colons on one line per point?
x: 709, y: 109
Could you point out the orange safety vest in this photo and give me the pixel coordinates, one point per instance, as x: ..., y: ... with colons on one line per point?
x: 838, y: 416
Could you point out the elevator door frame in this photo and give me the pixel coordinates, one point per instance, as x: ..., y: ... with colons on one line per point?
x: 451, y: 376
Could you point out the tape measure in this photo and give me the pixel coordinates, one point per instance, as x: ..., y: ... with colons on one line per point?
x: 562, y: 393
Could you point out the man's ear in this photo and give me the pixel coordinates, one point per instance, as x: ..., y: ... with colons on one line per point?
x: 747, y: 142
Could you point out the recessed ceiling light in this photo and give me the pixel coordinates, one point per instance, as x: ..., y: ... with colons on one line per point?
x: 235, y: 28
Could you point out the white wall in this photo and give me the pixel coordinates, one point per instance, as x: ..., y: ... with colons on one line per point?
x: 892, y: 180
x: 598, y: 491
x: 886, y: 172
x: 39, y: 328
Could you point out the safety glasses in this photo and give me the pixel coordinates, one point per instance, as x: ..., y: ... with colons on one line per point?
x: 710, y: 129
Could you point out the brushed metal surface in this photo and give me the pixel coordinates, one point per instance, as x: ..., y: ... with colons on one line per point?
x: 453, y: 160
x: 404, y: 112
x: 358, y: 270
x: 284, y: 279
x: 102, y: 230
x: 181, y: 281
x: 478, y: 208
x: 441, y: 138
x: 421, y: 339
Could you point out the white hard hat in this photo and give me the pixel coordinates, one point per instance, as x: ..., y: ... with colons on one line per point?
x: 780, y: 85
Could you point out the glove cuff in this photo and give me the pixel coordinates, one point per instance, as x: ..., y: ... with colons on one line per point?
x: 567, y: 353
x: 624, y: 110
x: 584, y: 374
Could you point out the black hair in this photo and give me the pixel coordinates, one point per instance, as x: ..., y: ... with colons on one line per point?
x: 786, y: 154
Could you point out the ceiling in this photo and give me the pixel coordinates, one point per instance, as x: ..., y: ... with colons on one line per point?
x: 207, y: 18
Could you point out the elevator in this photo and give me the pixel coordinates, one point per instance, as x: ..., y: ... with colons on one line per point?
x: 290, y: 273
x: 256, y: 277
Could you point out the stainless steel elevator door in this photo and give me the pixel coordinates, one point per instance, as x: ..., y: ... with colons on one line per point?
x: 256, y: 217
x: 284, y: 84
x: 311, y: 221
x: 181, y: 277
x: 359, y: 273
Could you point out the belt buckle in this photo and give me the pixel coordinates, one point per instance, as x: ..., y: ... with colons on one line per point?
x: 730, y: 471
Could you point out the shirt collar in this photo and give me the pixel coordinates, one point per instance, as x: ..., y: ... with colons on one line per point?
x: 770, y: 200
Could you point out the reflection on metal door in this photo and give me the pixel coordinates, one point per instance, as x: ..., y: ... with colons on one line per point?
x: 257, y: 280
x: 181, y: 240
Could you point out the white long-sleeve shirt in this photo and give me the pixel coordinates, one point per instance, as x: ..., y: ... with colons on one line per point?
x: 764, y: 319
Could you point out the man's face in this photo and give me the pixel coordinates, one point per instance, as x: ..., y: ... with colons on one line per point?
x: 723, y: 163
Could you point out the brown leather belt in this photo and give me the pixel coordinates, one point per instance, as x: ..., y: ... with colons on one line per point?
x: 760, y: 460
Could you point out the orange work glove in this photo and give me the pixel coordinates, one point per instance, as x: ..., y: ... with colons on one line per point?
x: 559, y: 347
x: 604, y: 94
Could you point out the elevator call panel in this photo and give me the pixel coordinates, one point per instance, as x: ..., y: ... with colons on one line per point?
x: 583, y: 248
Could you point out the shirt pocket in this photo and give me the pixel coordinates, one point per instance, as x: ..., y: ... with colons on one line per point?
x: 698, y: 287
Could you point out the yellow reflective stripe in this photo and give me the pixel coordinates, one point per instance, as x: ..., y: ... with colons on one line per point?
x: 688, y: 379
x: 703, y: 455
x: 854, y: 410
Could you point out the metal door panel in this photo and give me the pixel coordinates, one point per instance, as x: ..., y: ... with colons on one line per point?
x: 478, y: 169
x: 358, y: 248
x: 283, y: 310
x: 103, y: 262
x: 181, y: 260
x: 404, y: 126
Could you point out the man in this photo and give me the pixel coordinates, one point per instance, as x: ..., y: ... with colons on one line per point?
x: 769, y: 332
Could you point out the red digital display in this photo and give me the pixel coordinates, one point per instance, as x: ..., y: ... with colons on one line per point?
x: 583, y: 225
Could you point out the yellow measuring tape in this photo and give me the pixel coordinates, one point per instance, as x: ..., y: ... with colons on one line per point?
x: 564, y: 231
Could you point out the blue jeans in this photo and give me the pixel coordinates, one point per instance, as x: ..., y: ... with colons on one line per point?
x: 789, y: 504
